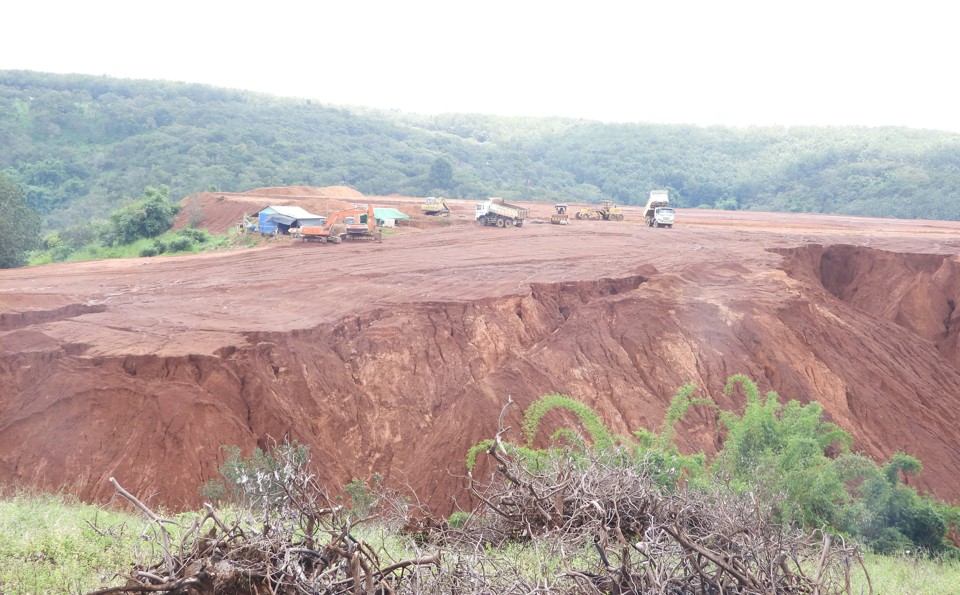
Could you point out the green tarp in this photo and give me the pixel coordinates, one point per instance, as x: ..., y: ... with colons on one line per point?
x: 382, y: 213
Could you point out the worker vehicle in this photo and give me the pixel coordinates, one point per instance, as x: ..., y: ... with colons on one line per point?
x: 353, y: 224
x: 495, y: 211
x: 360, y: 224
x: 607, y: 211
x: 328, y: 232
x: 560, y: 217
x: 435, y: 205
x: 658, y: 212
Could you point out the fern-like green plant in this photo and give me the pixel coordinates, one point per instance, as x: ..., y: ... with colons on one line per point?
x: 599, y: 433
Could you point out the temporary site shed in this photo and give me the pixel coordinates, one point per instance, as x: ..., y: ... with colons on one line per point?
x: 280, y: 219
x: 388, y: 216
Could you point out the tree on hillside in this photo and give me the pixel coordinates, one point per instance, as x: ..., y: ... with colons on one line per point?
x: 148, y: 217
x: 441, y: 174
x: 19, y: 226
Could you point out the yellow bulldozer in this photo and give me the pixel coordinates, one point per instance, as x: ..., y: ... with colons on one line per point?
x: 606, y: 211
x: 435, y: 205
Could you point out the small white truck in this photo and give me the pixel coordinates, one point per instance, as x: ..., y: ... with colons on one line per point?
x: 496, y: 212
x: 658, y: 212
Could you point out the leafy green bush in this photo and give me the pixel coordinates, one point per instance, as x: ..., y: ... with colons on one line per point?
x: 145, y: 218
x: 785, y: 449
x: 261, y: 478
x: 180, y: 244
x: 363, y: 497
x: 200, y: 236
x: 149, y: 251
x: 784, y: 452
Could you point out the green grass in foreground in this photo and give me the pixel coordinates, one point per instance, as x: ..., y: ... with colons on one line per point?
x: 47, y: 545
x: 907, y: 575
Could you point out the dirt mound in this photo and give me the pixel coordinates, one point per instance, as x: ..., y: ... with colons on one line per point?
x: 219, y: 212
x: 397, y: 357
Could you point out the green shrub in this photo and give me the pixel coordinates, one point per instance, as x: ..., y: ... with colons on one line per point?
x: 787, y: 452
x: 200, y: 236
x: 457, y: 520
x: 180, y: 244
x: 146, y: 218
x: 149, y: 251
x: 363, y: 497
x: 261, y: 478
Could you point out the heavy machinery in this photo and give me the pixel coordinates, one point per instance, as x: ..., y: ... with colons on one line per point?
x: 607, y: 211
x: 353, y: 224
x: 435, y: 205
x: 560, y: 217
x: 322, y: 233
x: 496, y: 212
x: 658, y: 212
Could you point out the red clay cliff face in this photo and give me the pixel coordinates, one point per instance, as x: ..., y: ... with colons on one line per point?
x: 397, y: 357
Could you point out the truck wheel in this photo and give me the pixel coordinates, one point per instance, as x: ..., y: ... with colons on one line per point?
x: 519, y: 223
x: 500, y: 223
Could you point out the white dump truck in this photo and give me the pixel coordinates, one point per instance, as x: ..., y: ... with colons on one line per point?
x: 495, y: 211
x: 658, y: 212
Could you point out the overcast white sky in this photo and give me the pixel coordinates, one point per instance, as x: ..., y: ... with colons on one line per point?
x: 728, y: 62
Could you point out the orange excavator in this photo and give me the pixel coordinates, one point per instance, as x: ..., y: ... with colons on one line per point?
x: 352, y: 224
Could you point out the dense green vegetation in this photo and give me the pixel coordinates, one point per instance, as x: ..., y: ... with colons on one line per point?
x: 784, y: 453
x: 78, y: 144
x: 139, y: 228
x: 19, y: 225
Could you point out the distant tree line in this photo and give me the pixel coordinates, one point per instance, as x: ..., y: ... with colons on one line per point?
x: 77, y: 144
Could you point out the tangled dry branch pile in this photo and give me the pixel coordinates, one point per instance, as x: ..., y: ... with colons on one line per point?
x: 574, y: 521
x: 302, y: 544
x: 649, y: 539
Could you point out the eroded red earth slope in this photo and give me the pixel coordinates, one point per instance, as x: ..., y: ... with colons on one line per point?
x: 397, y: 357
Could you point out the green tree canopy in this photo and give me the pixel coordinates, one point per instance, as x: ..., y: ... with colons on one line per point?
x: 441, y: 174
x: 19, y: 225
x: 146, y: 218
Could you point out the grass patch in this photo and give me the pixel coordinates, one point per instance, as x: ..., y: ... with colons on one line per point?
x: 47, y: 545
x: 184, y: 241
x: 908, y: 574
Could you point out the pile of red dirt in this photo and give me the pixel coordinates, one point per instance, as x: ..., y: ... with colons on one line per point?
x: 397, y: 357
x: 219, y: 212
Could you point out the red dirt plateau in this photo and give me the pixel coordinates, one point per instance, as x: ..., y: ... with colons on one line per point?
x: 397, y: 357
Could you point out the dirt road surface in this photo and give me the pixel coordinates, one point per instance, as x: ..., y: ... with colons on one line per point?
x: 396, y: 357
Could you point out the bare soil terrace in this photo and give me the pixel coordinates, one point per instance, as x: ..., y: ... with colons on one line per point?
x: 397, y: 357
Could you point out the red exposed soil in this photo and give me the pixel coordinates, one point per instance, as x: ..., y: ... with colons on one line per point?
x: 221, y: 211
x: 397, y: 357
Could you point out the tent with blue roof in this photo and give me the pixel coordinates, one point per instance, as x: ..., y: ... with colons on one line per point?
x: 280, y: 219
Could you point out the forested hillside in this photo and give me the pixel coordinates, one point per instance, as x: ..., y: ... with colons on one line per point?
x: 80, y: 145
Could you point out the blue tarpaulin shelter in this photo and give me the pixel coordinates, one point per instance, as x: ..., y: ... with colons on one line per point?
x: 281, y: 218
